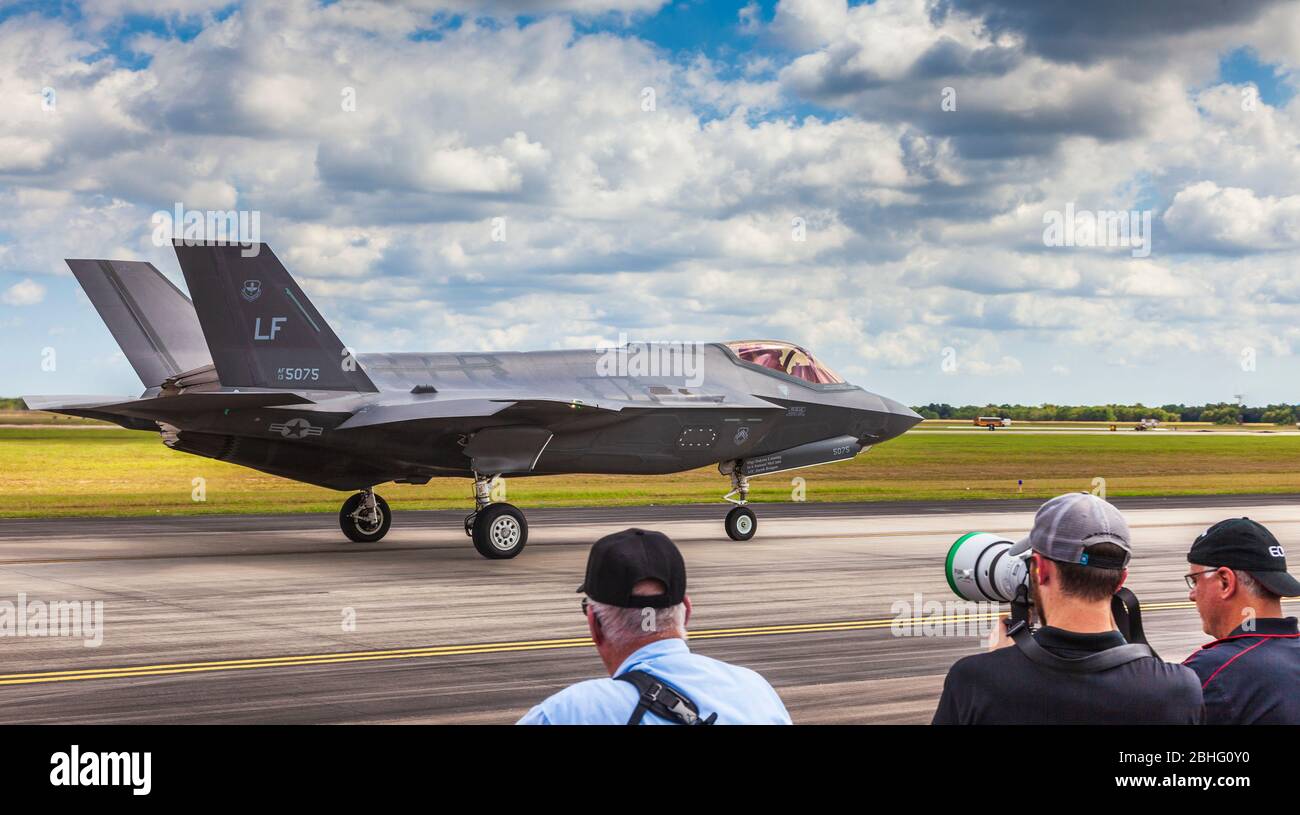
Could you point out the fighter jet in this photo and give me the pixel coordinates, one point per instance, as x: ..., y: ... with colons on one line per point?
x: 249, y: 372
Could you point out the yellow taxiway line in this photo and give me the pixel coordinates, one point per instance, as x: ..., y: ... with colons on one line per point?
x: 169, y: 669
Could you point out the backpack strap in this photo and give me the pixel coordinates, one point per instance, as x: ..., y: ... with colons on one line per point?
x: 662, y: 700
x: 1093, y: 663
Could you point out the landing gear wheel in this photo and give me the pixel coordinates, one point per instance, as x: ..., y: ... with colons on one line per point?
x: 500, y: 531
x: 741, y: 524
x: 362, y: 524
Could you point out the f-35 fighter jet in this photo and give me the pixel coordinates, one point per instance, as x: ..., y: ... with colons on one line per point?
x: 250, y: 372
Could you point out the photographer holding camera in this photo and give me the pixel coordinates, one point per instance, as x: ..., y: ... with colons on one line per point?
x: 1077, y: 668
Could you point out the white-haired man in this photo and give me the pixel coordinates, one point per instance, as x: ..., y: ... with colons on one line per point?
x: 637, y: 610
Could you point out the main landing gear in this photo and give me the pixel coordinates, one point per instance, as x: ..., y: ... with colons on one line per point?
x: 365, y: 517
x: 741, y: 523
x: 499, y: 530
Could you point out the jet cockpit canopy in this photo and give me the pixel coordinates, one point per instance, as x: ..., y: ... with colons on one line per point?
x: 786, y: 358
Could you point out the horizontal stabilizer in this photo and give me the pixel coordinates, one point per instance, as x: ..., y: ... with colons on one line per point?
x: 114, y: 408
x: 53, y: 403
x: 88, y: 407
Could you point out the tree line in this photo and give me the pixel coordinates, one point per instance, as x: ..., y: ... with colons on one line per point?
x: 1217, y: 413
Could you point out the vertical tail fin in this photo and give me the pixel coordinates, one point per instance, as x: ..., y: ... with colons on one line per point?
x: 154, y: 323
x: 262, y: 330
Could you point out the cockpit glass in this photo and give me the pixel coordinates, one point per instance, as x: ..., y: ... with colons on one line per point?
x: 786, y: 358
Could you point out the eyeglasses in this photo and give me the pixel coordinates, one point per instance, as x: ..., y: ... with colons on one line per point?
x: 1192, y: 577
x: 585, y: 605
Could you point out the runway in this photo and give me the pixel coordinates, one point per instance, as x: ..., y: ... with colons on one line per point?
x: 245, y: 619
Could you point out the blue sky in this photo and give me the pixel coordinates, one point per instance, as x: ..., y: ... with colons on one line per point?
x: 922, y: 224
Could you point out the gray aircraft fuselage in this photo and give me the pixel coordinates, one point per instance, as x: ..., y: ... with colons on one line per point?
x: 429, y: 407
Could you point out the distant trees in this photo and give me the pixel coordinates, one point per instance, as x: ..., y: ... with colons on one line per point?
x: 1219, y: 413
x: 1279, y: 414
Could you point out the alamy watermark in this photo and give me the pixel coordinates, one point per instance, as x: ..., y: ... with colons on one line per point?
x: 195, y: 227
x: 56, y: 618
x: 1123, y: 229
x: 919, y: 617
x: 677, y: 360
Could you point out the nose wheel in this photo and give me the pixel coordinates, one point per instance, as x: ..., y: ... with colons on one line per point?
x: 365, y: 517
x: 741, y: 524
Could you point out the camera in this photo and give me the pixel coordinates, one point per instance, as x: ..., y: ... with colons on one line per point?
x: 981, y: 568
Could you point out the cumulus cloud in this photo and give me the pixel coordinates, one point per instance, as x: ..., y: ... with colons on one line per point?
x: 1085, y: 32
x: 1208, y: 216
x: 23, y: 293
x: 550, y: 180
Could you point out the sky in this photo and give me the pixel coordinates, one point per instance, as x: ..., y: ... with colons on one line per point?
x: 874, y: 181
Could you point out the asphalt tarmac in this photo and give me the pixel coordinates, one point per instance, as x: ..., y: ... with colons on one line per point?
x: 280, y: 619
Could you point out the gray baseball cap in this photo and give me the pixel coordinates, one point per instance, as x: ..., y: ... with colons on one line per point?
x: 1067, y: 525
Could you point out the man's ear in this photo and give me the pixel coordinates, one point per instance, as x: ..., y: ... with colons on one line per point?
x: 593, y: 625
x: 1122, y: 577
x: 686, y: 600
x: 1043, y: 570
x: 1228, y: 585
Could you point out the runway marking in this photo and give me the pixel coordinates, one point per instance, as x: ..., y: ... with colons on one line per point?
x: 170, y: 669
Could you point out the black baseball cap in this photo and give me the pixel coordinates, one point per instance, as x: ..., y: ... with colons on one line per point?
x: 619, y: 561
x: 1240, y: 543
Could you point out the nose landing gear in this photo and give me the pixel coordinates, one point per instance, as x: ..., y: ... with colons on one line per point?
x: 741, y: 523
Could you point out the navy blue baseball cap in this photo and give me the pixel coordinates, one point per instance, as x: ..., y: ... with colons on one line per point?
x: 619, y: 561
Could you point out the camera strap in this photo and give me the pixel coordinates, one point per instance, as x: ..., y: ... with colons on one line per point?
x: 662, y: 700
x: 1093, y: 663
x: 1127, y: 612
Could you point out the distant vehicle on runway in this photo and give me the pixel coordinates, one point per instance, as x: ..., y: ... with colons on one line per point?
x: 250, y: 373
x: 991, y: 422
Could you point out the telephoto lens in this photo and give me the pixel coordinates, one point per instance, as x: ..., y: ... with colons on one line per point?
x: 979, y: 568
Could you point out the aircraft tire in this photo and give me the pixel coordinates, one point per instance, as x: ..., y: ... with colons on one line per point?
x: 500, y: 531
x: 741, y: 524
x: 360, y: 533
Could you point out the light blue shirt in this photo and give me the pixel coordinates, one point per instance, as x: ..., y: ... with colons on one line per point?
x: 737, y: 695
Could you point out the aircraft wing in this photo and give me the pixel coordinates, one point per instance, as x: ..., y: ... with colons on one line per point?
x: 540, y: 412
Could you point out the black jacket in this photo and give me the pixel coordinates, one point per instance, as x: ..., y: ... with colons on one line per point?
x: 1252, y: 677
x: 1005, y: 687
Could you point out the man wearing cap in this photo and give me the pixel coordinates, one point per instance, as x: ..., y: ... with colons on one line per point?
x: 637, y: 610
x: 1250, y: 674
x: 1067, y: 672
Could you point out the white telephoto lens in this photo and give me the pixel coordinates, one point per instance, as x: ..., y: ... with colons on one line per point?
x: 979, y: 568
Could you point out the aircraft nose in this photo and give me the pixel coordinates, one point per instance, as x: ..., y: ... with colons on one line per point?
x: 899, y: 418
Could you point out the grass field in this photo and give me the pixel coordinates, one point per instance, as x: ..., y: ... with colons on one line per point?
x: 29, y: 417
x: 965, y: 425
x: 91, y: 471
